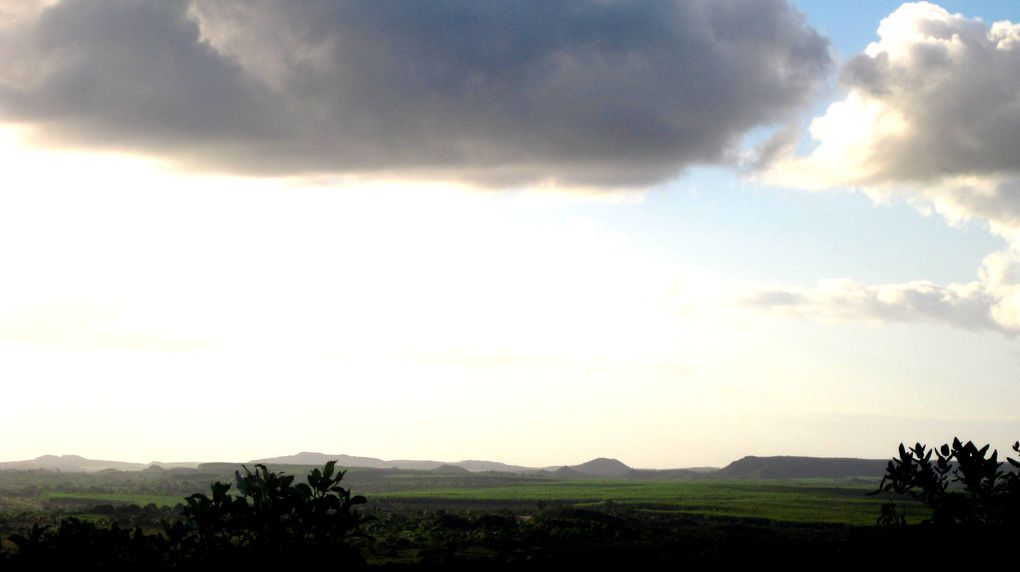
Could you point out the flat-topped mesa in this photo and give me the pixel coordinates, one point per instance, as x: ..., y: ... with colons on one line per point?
x: 70, y: 464
x: 783, y: 467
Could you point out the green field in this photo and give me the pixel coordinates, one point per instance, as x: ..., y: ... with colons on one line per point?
x: 434, y: 519
x: 828, y: 501
x: 111, y: 498
x: 786, y: 501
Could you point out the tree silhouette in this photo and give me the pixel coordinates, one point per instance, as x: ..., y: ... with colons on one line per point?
x: 961, y: 485
x: 273, y: 518
x: 271, y: 521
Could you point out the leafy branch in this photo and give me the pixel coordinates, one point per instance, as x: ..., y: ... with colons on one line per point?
x: 961, y: 485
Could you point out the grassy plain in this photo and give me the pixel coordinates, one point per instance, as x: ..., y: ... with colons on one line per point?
x: 432, y: 518
x: 823, y: 501
x: 64, y: 497
x: 812, y: 501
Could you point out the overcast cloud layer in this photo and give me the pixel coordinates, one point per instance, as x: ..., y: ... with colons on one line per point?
x: 576, y: 93
x: 932, y: 114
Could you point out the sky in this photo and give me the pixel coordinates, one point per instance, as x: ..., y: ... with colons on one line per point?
x: 673, y: 233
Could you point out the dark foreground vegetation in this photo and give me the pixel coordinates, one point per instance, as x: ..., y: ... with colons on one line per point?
x: 959, y: 507
x: 962, y: 486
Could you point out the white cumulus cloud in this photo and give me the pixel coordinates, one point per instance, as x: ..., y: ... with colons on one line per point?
x: 931, y: 114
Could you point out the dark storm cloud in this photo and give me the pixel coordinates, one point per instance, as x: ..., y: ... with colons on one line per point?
x: 126, y: 73
x: 580, y: 93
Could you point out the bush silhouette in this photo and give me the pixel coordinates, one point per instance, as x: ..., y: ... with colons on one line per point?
x: 273, y: 518
x: 272, y: 521
x: 962, y: 485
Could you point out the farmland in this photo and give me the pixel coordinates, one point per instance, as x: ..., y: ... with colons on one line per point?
x: 436, y: 518
x: 829, y: 501
x: 834, y: 502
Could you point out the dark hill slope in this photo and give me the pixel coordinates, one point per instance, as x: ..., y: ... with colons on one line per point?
x: 802, y: 468
x: 451, y: 470
x: 603, y: 467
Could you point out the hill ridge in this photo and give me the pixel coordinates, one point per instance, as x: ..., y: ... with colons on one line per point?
x: 747, y: 467
x: 795, y: 467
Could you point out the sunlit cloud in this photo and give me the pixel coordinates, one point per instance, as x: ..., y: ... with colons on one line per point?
x: 931, y: 115
x: 935, y: 97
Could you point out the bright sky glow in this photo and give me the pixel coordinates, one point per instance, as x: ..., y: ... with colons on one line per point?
x: 154, y: 312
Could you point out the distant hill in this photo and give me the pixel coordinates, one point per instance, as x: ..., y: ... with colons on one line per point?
x: 481, y: 466
x: 746, y: 468
x: 306, y: 458
x: 163, y: 465
x: 600, y: 468
x: 219, y: 467
x: 802, y: 467
x: 77, y: 464
x: 603, y: 467
x: 450, y: 470
x: 70, y: 464
x: 568, y: 473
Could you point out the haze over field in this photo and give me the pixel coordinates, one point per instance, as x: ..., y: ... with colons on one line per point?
x: 674, y: 233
